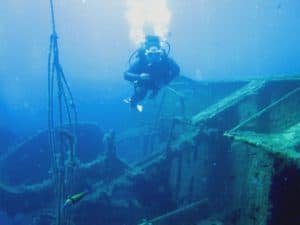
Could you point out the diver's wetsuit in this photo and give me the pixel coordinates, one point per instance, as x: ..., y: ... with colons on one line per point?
x: 161, y: 73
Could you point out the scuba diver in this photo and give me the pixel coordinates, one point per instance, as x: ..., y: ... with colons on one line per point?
x: 150, y: 69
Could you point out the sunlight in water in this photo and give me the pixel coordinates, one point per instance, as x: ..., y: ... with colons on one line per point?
x: 147, y: 17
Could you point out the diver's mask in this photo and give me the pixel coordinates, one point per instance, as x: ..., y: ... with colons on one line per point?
x: 154, y: 54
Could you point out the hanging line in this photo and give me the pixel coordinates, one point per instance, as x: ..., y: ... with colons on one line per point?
x: 61, y: 133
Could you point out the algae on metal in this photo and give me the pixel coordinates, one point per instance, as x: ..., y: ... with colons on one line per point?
x: 284, y: 145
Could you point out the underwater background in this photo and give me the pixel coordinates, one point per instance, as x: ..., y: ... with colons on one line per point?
x: 228, y: 40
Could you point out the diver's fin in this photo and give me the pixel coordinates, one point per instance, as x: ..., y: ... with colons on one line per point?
x: 139, y: 108
x: 127, y: 100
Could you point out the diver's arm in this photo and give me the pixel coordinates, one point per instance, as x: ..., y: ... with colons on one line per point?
x: 134, y: 71
x: 131, y: 76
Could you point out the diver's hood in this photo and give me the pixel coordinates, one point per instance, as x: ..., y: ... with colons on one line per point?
x: 152, y: 41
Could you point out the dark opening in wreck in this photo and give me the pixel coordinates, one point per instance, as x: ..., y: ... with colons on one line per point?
x: 285, y: 197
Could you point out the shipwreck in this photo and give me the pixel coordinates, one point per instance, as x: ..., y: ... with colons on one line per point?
x: 210, y: 153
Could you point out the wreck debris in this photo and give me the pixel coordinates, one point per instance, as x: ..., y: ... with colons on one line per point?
x: 273, y: 104
x: 19, y: 190
x: 176, y: 212
x: 231, y: 100
x: 284, y: 144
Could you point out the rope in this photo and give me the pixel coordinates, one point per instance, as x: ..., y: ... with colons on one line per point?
x: 264, y: 110
x: 52, y: 17
x: 59, y: 111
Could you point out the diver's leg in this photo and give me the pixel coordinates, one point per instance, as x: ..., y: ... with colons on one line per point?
x: 139, y: 94
x: 154, y: 93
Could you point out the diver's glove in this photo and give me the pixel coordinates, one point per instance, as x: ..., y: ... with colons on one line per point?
x: 144, y: 76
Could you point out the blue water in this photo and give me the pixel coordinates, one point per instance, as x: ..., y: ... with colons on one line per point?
x: 210, y: 40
